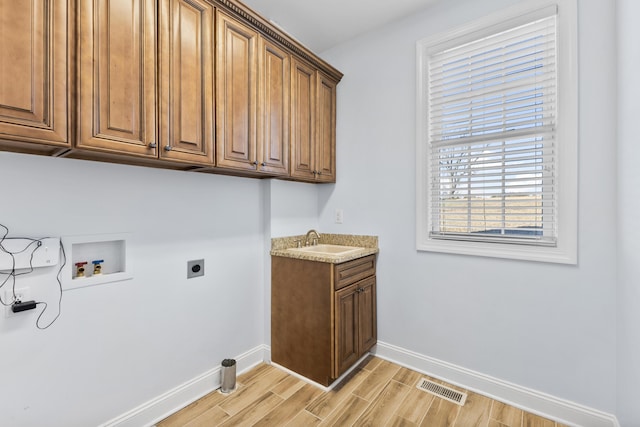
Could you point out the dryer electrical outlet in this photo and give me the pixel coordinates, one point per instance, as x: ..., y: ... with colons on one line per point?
x: 195, y: 268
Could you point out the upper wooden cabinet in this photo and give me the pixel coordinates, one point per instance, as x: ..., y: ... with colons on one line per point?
x: 35, y: 66
x: 237, y: 94
x: 204, y: 85
x: 186, y: 81
x: 273, y: 108
x: 313, y: 120
x: 118, y: 100
x: 325, y: 129
x: 252, y: 100
x: 137, y: 99
x: 303, y: 113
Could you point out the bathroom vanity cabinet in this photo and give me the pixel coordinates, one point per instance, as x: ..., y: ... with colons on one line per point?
x: 323, y: 315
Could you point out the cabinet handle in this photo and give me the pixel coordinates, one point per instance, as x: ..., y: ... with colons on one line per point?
x: 319, y: 173
x: 263, y: 164
x: 152, y: 145
x: 255, y: 164
x: 168, y: 148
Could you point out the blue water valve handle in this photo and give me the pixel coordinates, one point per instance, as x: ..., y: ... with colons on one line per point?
x: 97, y: 268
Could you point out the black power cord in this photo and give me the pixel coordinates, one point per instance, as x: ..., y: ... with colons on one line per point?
x: 60, y: 297
x: 11, y: 275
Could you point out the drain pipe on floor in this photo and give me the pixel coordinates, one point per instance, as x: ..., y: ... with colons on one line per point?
x: 228, y: 376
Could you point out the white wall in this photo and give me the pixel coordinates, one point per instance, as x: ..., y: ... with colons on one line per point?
x: 548, y: 327
x: 119, y: 345
x: 628, y: 208
x: 293, y: 207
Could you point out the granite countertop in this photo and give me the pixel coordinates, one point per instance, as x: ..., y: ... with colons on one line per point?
x: 369, y: 245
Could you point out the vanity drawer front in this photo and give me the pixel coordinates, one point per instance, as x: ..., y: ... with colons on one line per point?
x: 352, y: 271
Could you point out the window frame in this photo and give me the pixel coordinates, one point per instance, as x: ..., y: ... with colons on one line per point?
x: 565, y: 251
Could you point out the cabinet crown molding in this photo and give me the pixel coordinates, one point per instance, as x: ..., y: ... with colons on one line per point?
x: 266, y: 28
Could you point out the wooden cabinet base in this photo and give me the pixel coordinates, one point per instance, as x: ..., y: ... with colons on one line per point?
x: 316, y: 331
x: 301, y: 309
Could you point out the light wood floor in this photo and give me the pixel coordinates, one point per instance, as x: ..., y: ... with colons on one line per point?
x: 376, y: 393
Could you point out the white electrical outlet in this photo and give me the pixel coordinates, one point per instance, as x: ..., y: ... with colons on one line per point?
x: 339, y: 216
x: 22, y: 294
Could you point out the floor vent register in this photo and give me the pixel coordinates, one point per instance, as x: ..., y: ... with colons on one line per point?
x: 442, y: 391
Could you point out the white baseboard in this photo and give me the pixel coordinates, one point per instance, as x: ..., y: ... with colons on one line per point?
x: 529, y: 400
x: 166, y: 404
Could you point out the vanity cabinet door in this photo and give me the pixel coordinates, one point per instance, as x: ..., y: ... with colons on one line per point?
x: 367, y: 319
x: 356, y: 330
x: 347, y: 319
x: 35, y: 40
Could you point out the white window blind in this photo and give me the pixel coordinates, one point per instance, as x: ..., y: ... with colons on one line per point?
x: 491, y: 131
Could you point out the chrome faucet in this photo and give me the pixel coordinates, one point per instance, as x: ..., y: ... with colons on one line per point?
x: 315, y: 240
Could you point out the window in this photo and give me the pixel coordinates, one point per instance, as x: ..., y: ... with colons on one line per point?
x: 497, y: 144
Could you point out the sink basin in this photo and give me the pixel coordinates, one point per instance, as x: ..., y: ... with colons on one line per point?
x: 327, y: 249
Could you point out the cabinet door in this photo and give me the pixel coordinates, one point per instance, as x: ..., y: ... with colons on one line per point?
x: 326, y: 130
x: 34, y: 71
x: 273, y: 111
x: 367, y: 319
x: 186, y: 81
x: 117, y: 100
x: 303, y: 99
x: 236, y: 94
x: 347, y: 318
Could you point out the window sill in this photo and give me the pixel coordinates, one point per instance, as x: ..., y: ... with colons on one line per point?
x: 557, y: 255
